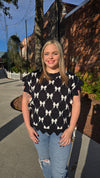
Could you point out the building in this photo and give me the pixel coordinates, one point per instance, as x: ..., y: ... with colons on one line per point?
x: 49, y: 31
x: 79, y: 28
x: 81, y: 39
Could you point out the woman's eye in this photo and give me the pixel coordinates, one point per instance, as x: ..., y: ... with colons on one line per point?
x: 55, y: 53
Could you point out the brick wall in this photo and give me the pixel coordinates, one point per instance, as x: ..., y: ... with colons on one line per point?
x: 80, y: 37
x: 50, y: 20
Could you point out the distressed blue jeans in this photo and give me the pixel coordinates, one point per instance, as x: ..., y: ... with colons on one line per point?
x: 53, y: 158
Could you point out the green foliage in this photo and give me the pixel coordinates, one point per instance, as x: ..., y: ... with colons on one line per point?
x: 5, y: 8
x: 12, y: 60
x: 97, y: 89
x: 91, y: 83
x: 13, y: 57
x: 5, y: 60
x: 24, y: 69
x: 31, y: 69
x: 15, y: 69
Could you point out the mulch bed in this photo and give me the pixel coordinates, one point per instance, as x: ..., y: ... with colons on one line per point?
x: 89, y: 120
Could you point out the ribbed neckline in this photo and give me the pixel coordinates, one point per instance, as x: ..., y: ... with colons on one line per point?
x: 53, y: 75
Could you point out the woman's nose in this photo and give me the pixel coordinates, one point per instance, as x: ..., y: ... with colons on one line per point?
x: 51, y: 56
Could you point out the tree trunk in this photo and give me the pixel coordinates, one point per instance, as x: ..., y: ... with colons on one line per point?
x: 38, y: 32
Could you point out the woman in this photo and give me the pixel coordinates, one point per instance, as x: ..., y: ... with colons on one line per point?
x: 51, y: 107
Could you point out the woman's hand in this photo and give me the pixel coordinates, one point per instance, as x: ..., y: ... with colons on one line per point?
x: 33, y: 134
x: 65, y: 138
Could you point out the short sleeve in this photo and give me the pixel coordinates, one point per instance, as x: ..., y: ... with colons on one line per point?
x: 27, y: 83
x: 76, y: 85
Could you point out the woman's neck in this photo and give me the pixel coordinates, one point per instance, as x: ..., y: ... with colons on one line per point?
x: 52, y: 71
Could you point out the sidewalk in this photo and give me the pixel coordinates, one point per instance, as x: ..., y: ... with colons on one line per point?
x: 18, y: 157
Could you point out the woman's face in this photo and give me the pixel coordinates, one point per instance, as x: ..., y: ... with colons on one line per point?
x: 51, y: 58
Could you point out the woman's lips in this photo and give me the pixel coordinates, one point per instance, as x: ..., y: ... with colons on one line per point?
x: 51, y: 61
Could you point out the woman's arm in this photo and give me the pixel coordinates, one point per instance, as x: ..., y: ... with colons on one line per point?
x: 66, y: 136
x: 75, y: 111
x: 26, y: 115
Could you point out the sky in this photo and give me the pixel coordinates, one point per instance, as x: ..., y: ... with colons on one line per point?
x: 16, y: 25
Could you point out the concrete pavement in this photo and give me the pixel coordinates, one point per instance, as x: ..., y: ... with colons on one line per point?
x: 18, y: 157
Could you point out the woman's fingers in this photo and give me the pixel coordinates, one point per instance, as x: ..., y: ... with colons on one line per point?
x: 65, y: 141
x: 65, y: 138
x: 33, y: 135
x: 34, y: 138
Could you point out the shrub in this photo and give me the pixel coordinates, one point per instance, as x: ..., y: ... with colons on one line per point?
x: 91, y: 83
x: 15, y: 69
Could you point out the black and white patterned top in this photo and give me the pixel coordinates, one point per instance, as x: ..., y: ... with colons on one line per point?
x: 51, y: 102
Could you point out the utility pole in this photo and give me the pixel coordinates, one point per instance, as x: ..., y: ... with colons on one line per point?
x: 6, y: 30
x: 26, y: 44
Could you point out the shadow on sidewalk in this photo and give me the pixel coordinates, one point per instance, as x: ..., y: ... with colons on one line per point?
x: 10, y: 126
x: 85, y: 107
x: 10, y: 81
x: 92, y: 163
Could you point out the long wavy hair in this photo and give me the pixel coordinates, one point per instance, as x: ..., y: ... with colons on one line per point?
x: 61, y: 62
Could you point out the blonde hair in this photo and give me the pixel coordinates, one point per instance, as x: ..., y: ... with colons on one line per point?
x: 61, y: 62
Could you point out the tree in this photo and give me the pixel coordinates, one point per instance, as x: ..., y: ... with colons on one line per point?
x: 5, y: 59
x: 38, y: 32
x: 13, y: 52
x: 5, y: 8
x: 58, y: 18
